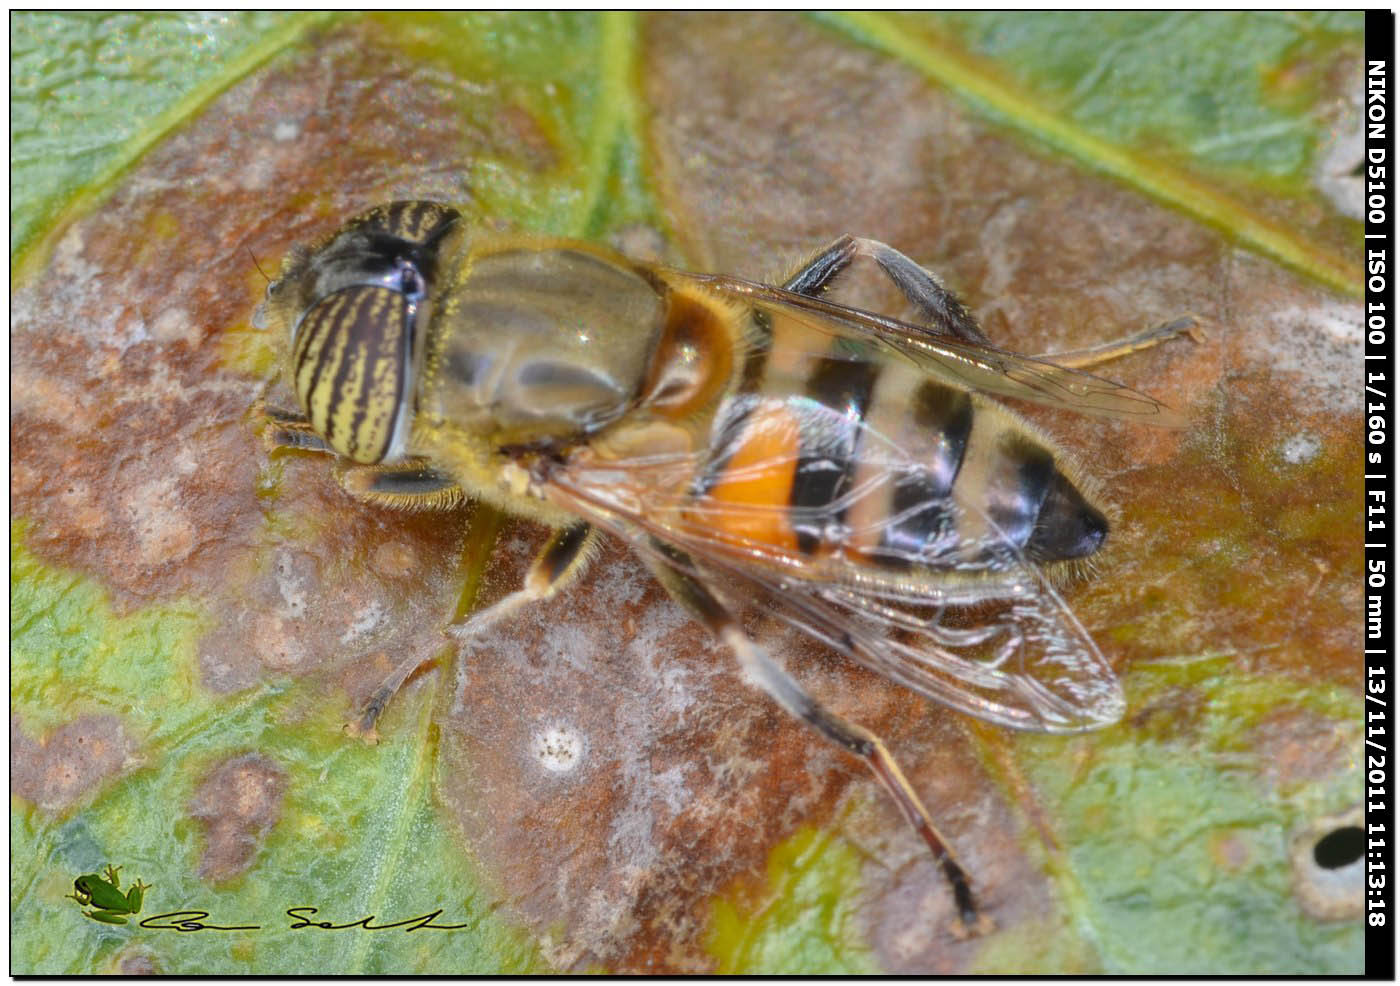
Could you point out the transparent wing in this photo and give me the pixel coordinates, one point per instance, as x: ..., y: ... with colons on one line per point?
x: 1022, y: 660
x: 977, y: 367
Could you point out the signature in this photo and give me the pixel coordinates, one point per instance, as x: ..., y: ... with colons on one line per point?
x: 194, y: 920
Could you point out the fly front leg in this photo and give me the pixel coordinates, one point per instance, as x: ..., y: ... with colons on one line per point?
x: 763, y: 671
x: 936, y: 303
x: 409, y: 485
x: 288, y: 429
x: 563, y: 558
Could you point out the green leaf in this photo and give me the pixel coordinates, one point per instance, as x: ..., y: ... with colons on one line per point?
x: 91, y: 91
x: 1156, y: 100
x: 193, y: 619
x: 800, y: 920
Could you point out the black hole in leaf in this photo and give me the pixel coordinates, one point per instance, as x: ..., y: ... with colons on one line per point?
x: 1340, y: 847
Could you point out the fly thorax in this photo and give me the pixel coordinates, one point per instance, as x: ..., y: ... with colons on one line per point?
x: 536, y: 346
x: 695, y: 355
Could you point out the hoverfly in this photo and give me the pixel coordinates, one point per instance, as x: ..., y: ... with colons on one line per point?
x: 752, y: 443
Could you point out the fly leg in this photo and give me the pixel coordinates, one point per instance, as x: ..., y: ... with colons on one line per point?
x: 409, y: 485
x: 563, y: 558
x: 936, y: 303
x: 286, y: 429
x: 1079, y: 359
x: 763, y: 671
x: 945, y: 313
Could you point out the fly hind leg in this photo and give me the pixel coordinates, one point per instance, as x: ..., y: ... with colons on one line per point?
x: 945, y: 313
x: 942, y: 309
x: 1080, y: 359
x: 672, y: 569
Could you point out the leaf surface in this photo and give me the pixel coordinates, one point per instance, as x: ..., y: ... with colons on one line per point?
x: 193, y: 619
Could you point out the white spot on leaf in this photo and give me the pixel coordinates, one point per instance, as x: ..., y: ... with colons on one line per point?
x: 559, y: 748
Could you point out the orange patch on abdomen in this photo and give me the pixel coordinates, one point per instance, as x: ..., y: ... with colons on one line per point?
x: 748, y: 501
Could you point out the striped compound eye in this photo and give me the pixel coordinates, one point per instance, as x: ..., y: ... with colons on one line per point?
x: 352, y: 362
x: 365, y: 295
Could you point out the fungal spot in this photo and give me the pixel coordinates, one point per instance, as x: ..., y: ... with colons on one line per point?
x: 642, y: 242
x: 558, y: 748
x: 1300, y: 448
x: 285, y: 130
x: 1340, y: 847
x: 70, y: 763
x: 238, y: 802
x: 373, y: 616
x: 139, y: 963
x: 1328, y: 860
x: 395, y: 559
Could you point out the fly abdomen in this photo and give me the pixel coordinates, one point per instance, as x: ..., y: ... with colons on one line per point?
x: 972, y: 487
x: 1014, y: 494
x: 922, y: 521
x: 830, y: 442
x: 1068, y: 526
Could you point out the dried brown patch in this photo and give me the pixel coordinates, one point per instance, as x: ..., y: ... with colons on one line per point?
x: 114, y: 455
x: 237, y: 803
x: 138, y: 963
x: 66, y: 767
x: 1297, y: 748
x: 613, y: 783
x: 134, y: 453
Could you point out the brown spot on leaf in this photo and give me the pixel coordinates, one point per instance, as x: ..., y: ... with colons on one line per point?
x: 138, y: 963
x: 68, y: 765
x: 1175, y: 712
x: 394, y: 559
x: 1297, y: 747
x: 237, y: 803
x: 522, y: 129
x: 1229, y: 850
x: 613, y: 783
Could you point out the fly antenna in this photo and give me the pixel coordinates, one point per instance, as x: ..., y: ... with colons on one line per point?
x: 254, y: 259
